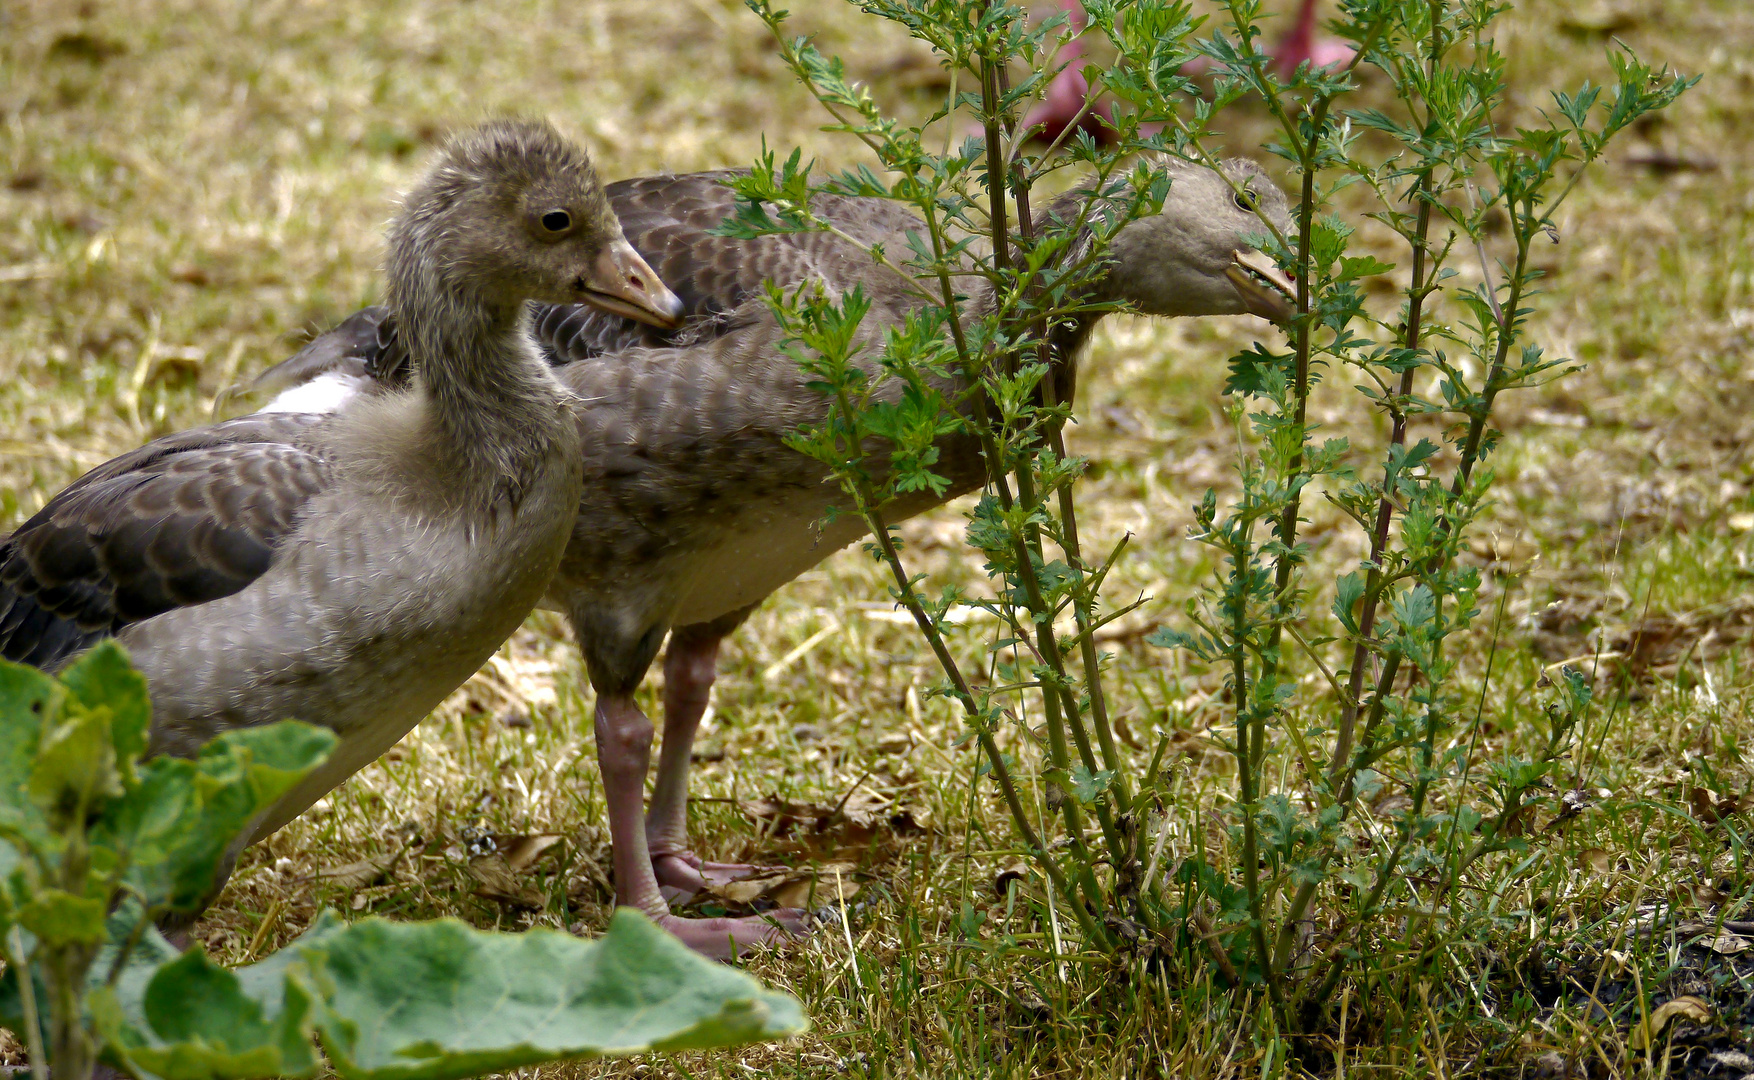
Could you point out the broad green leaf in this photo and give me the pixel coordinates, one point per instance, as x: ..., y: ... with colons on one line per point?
x: 26, y: 696
x: 58, y: 917
x: 181, y: 818
x: 75, y: 770
x: 433, y: 1001
x: 103, y: 676
x: 200, y: 1023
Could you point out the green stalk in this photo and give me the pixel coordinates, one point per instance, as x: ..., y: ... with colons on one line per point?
x: 1246, y: 734
x: 1084, y: 603
x: 868, y: 508
x: 1341, y: 770
x: 27, y: 994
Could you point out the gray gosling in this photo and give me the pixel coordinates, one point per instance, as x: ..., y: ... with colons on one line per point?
x: 694, y: 511
x: 351, y: 569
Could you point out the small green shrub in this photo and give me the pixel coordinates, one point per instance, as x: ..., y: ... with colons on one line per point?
x: 1340, y: 691
x: 96, y: 843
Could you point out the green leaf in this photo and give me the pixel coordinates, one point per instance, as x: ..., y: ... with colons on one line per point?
x: 431, y: 1001
x: 1365, y: 266
x: 27, y: 696
x: 195, y: 1020
x: 176, y: 825
x: 75, y: 770
x: 60, y: 918
x: 102, y: 676
x: 438, y: 1000
x: 1085, y: 785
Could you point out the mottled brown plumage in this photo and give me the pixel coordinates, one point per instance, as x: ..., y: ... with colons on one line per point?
x: 351, y: 569
x: 693, y: 508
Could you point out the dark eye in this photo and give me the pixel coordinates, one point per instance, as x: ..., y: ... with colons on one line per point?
x: 557, y: 221
x: 1245, y: 201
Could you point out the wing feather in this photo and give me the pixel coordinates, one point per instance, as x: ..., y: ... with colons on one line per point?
x: 181, y: 521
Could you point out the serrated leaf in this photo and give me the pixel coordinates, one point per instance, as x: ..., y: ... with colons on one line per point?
x: 1365, y: 266
x: 1085, y: 785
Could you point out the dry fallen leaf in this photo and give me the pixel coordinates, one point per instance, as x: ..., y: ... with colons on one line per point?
x: 854, y: 823
x: 1687, y: 1007
x: 802, y: 888
x: 1725, y: 944
x: 1015, y: 871
x: 496, y: 881
x: 1708, y: 809
x: 522, y: 852
x: 358, y: 875
x: 1596, y: 859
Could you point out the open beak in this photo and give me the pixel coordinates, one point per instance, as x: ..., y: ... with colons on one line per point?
x: 1266, y: 290
x: 621, y: 283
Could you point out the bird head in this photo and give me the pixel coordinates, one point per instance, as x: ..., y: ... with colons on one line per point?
x: 514, y: 212
x: 1196, y: 255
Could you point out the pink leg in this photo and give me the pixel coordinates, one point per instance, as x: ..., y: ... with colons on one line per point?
x: 1301, y: 44
x: 624, y: 753
x: 690, y: 666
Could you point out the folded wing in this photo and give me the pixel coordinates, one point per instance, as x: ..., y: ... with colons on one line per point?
x: 181, y: 521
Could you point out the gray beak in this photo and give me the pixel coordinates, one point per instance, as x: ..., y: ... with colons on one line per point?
x: 621, y: 283
x: 1266, y: 290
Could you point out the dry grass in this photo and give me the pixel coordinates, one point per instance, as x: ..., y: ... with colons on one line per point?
x: 189, y: 189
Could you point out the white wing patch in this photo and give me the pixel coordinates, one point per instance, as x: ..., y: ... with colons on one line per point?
x: 326, y: 393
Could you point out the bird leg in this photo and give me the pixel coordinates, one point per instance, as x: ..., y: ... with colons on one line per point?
x: 1302, y: 45
x: 690, y: 666
x: 624, y: 753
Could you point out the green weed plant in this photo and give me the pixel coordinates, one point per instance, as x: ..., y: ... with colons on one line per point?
x: 1361, y: 803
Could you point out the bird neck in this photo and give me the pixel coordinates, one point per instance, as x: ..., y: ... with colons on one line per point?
x: 495, y: 404
x: 1067, y: 337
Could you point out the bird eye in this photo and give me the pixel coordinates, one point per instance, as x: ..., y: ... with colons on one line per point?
x: 557, y: 221
x: 1245, y: 201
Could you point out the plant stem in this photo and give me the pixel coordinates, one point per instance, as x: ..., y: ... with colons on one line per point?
x: 27, y: 994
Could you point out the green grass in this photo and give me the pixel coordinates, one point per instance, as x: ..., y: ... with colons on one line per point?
x: 188, y: 190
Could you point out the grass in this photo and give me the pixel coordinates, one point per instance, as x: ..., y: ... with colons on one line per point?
x: 189, y: 190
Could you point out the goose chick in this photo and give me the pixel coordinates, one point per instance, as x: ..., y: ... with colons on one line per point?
x: 352, y: 568
x: 694, y: 510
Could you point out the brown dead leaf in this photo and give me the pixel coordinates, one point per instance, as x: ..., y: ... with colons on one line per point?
x: 1725, y: 944
x: 1709, y: 809
x: 522, y: 852
x: 1016, y: 871
x: 862, y: 817
x: 495, y: 880
x: 1704, y: 896
x: 359, y: 875
x: 1498, y: 548
x: 801, y: 888
x: 1663, y: 162
x: 824, y: 887
x: 1596, y: 859
x: 1600, y: 18
x: 1687, y: 1007
x: 897, y: 742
